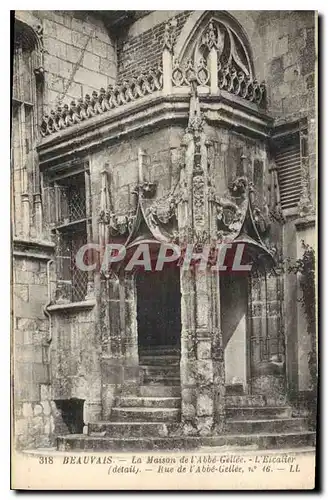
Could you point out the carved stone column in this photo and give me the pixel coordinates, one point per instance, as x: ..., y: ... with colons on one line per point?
x: 202, y: 363
x: 118, y: 313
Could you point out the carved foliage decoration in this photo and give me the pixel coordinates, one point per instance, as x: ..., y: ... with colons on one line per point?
x: 231, y: 209
x: 198, y: 199
x: 229, y: 47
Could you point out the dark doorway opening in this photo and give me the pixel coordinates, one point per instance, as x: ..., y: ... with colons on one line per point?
x: 159, y: 309
x: 71, y: 416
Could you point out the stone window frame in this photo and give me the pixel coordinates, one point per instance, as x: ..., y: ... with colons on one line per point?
x: 69, y: 230
x: 27, y: 104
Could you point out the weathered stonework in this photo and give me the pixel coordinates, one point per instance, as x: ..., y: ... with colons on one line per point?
x: 177, y: 145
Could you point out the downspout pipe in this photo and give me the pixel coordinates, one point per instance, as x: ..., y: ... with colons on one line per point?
x: 45, y: 309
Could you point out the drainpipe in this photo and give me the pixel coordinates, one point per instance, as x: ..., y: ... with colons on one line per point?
x: 45, y: 309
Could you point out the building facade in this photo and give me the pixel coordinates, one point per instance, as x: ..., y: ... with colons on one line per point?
x: 141, y: 128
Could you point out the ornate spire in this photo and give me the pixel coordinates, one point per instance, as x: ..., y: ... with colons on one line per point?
x: 196, y: 119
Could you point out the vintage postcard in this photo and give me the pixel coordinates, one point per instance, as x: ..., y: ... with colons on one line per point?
x: 164, y: 239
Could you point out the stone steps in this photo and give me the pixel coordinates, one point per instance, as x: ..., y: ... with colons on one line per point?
x: 140, y: 429
x: 164, y: 375
x: 164, y: 371
x: 149, y: 402
x: 280, y: 425
x: 234, y: 389
x: 160, y: 390
x: 129, y: 429
x: 160, y: 360
x: 257, y: 441
x: 259, y: 412
x: 245, y: 400
x: 121, y: 414
x: 164, y: 350
x: 161, y: 380
x: 151, y: 421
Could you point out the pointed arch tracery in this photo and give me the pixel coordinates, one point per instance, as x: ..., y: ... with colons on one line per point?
x: 213, y: 50
x: 217, y: 29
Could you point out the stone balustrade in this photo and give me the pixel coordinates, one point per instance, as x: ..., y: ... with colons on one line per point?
x: 98, y: 103
x: 227, y: 76
x: 173, y: 77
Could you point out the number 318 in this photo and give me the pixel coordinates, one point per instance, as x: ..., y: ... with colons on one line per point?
x: 46, y: 460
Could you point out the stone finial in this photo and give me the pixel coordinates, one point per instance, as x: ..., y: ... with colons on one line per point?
x: 168, y: 37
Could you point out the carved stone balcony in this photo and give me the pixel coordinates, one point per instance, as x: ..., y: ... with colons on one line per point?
x: 217, y: 66
x: 213, y: 76
x: 102, y: 102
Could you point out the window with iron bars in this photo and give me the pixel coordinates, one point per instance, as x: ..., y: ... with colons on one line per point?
x: 69, y: 242
x: 68, y: 218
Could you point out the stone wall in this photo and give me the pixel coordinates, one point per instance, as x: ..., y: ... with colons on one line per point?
x: 75, y: 358
x: 79, y: 54
x: 284, y: 52
x: 161, y: 148
x: 32, y: 396
x: 79, y: 57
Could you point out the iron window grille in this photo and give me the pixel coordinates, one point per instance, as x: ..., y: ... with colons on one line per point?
x: 75, y: 279
x: 68, y: 218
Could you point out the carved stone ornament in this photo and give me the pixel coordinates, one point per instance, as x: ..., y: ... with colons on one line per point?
x: 168, y: 37
x: 213, y: 38
x: 146, y: 189
x: 119, y: 225
x: 184, y: 74
x: 98, y: 103
x: 39, y: 33
x: 230, y: 48
x: 233, y: 66
x: 231, y: 209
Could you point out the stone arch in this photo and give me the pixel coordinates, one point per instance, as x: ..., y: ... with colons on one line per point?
x: 32, y: 39
x: 30, y: 35
x: 196, y: 26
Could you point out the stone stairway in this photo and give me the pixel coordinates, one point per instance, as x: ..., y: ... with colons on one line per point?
x: 160, y: 366
x: 150, y: 420
x: 147, y: 422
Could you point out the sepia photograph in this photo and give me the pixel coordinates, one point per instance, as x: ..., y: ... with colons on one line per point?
x: 163, y: 249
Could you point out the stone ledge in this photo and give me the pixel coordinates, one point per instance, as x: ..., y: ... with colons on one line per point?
x: 33, y: 249
x: 305, y: 222
x: 85, y: 304
x: 143, y: 115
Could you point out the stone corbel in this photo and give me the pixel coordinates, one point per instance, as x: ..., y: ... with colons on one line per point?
x: 39, y: 73
x: 147, y: 189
